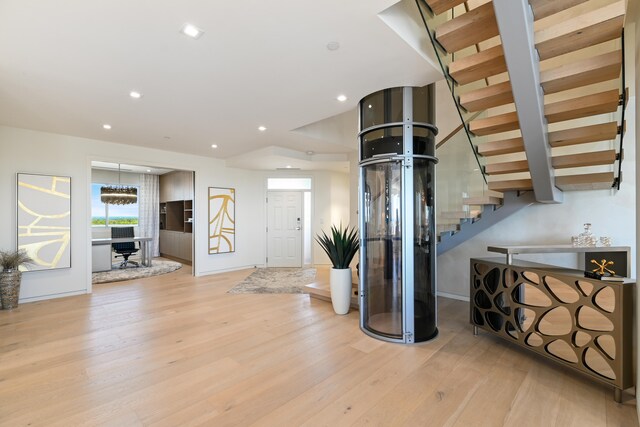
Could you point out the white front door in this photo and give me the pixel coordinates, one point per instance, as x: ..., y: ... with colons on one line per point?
x: 284, y: 232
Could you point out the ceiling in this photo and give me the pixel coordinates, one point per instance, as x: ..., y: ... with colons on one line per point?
x: 68, y: 66
x: 122, y: 167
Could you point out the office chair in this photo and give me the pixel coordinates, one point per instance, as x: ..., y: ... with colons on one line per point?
x: 124, y: 249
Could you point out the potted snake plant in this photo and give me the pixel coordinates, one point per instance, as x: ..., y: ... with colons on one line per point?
x: 341, y: 246
x: 10, y: 276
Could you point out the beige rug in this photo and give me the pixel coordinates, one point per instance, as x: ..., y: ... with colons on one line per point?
x: 117, y: 275
x: 276, y: 281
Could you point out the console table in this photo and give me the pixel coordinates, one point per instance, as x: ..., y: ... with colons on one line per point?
x: 584, y: 324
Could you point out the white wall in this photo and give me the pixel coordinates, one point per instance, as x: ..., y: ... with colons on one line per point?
x: 38, y: 152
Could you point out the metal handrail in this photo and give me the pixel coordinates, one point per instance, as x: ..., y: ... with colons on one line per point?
x: 451, y: 84
x: 618, y: 180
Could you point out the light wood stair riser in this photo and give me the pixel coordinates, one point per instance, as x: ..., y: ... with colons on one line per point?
x: 512, y: 185
x: 584, y: 106
x: 459, y: 214
x: 482, y: 201
x: 440, y: 6
x: 586, y: 30
x: 487, y: 97
x: 468, y: 29
x: 497, y: 148
x: 543, y: 8
x: 595, y: 158
x: 585, y: 134
x: 594, y: 181
x: 507, y: 167
x: 597, y: 69
x: 495, y: 124
x: 478, y: 66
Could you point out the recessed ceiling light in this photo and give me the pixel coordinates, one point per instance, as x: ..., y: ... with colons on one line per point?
x: 369, y: 105
x: 148, y: 170
x: 288, y: 166
x: 192, y: 31
x: 262, y: 128
x: 333, y: 45
x: 214, y: 145
x: 341, y: 98
x: 106, y: 126
x: 135, y: 95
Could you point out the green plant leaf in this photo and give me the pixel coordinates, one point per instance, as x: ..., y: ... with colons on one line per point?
x: 341, y: 247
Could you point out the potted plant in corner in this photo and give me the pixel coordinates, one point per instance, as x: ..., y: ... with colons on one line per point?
x: 10, y: 276
x: 341, y: 247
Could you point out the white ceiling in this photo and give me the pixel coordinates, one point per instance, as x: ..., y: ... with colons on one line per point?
x: 67, y: 67
x: 122, y: 167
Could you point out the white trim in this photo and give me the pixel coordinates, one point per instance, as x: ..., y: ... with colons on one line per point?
x: 53, y: 296
x: 227, y: 270
x: 452, y: 296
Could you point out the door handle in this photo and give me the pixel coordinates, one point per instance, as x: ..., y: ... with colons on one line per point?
x: 298, y: 228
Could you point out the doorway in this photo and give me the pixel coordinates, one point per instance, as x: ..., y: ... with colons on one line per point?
x: 288, y: 222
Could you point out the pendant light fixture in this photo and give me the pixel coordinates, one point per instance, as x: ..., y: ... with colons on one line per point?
x: 118, y: 194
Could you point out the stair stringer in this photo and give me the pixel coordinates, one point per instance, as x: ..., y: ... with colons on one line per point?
x: 490, y: 216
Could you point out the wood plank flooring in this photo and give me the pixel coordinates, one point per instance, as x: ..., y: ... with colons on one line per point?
x: 175, y: 350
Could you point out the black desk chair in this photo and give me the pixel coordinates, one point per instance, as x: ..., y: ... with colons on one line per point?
x: 124, y: 249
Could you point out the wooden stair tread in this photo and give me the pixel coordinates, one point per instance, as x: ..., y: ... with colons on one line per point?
x: 494, y: 124
x: 585, y: 134
x: 597, y: 69
x: 482, y: 200
x: 593, y: 181
x: 511, y: 185
x: 487, y: 97
x: 582, y: 31
x: 497, y: 148
x: 593, y: 158
x: 507, y: 167
x: 459, y: 214
x: 584, y: 106
x: 543, y: 8
x: 478, y: 66
x: 440, y: 6
x: 470, y: 28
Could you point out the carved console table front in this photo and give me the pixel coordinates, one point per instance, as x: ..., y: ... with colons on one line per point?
x: 585, y: 324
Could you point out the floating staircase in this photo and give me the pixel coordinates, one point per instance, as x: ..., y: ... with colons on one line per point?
x: 579, y: 62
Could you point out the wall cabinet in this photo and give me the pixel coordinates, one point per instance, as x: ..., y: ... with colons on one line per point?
x: 176, y: 215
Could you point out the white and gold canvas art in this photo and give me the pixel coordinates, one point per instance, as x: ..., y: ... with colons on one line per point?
x: 44, y: 220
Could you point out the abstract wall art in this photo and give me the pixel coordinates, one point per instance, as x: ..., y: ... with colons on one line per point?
x: 44, y: 220
x: 222, y: 220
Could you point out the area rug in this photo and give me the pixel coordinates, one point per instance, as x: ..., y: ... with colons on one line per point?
x: 276, y: 281
x: 117, y: 275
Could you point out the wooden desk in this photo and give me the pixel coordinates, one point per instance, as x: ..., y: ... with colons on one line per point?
x: 144, y: 247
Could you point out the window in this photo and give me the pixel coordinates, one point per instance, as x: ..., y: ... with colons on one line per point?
x: 103, y: 215
x: 289, y: 183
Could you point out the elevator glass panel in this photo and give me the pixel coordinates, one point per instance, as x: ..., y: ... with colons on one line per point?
x: 424, y: 257
x: 383, y: 237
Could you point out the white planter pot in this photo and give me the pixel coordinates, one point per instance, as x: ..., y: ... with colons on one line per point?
x: 340, y: 280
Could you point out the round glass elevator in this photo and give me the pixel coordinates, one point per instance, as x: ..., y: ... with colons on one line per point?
x: 397, y: 204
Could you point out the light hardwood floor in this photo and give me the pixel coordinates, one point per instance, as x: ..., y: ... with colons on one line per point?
x: 179, y: 351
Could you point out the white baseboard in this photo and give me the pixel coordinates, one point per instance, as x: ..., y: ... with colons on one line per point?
x: 453, y: 296
x: 53, y: 296
x: 227, y: 270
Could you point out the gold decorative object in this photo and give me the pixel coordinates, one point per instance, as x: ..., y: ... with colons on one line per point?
x: 222, y: 217
x: 602, y: 267
x: 44, y: 220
